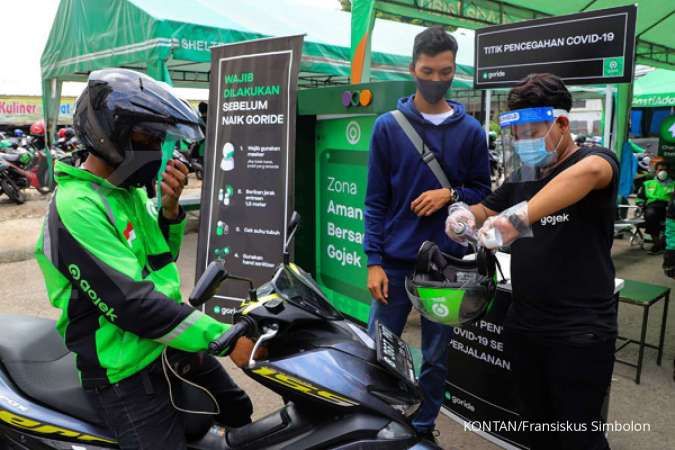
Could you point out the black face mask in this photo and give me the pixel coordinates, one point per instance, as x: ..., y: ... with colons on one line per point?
x: 139, y: 168
x: 433, y: 91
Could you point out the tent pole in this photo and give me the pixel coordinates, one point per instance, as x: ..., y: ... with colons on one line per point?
x: 362, y: 24
x: 488, y: 104
x: 51, y: 102
x: 624, y: 100
x: 54, y: 106
x: 159, y: 70
x: 608, y: 116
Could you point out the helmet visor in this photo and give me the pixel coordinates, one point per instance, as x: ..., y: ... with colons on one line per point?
x: 166, y: 131
x: 524, y: 132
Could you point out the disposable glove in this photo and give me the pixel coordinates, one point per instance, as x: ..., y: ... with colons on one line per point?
x: 506, y: 227
x: 460, y: 224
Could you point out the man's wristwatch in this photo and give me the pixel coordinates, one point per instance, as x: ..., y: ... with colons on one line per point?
x: 454, y: 196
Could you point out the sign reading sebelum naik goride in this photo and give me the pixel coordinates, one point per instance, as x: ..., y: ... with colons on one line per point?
x: 595, y: 47
x: 247, y: 196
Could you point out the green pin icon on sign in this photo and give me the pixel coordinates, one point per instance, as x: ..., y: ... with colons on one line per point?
x: 353, y: 132
x: 612, y: 67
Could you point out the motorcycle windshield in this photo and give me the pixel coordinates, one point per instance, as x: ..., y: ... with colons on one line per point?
x: 296, y: 286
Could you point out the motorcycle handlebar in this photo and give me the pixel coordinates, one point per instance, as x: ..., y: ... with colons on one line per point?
x: 224, y: 345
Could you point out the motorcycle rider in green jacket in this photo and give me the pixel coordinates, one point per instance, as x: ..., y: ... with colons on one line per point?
x: 108, y: 256
x: 656, y: 194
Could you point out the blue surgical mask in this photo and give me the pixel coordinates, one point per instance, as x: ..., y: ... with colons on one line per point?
x: 533, y: 152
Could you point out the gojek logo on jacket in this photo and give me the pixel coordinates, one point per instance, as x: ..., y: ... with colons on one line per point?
x: 85, y: 287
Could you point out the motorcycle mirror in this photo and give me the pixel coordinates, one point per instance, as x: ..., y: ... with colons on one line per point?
x: 252, y: 293
x: 207, y: 284
x: 293, y: 225
x: 294, y: 222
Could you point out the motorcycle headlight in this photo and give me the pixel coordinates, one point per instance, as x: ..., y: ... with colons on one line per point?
x: 394, y: 430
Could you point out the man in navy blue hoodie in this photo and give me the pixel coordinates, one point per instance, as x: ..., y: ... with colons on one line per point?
x: 406, y: 205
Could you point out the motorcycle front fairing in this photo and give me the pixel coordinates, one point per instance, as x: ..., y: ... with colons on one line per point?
x: 320, y: 358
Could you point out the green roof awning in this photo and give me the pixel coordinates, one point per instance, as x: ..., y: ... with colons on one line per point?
x: 656, y: 89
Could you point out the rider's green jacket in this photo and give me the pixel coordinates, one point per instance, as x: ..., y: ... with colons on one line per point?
x: 656, y: 190
x: 108, y: 259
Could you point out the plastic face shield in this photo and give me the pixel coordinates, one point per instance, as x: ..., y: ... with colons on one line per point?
x: 524, y: 132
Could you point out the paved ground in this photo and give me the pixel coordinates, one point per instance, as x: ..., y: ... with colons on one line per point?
x: 22, y: 292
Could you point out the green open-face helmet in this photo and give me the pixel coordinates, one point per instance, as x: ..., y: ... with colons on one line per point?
x: 452, y: 291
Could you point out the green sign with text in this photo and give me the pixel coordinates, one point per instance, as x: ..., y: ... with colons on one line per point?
x: 342, y: 159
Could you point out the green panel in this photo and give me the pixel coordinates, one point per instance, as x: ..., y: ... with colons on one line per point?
x: 385, y: 94
x: 342, y: 166
x: 328, y: 100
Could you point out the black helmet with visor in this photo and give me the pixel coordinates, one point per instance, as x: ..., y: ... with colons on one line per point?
x: 132, y: 121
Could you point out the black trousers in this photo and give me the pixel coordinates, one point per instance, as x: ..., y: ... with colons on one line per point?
x: 562, y: 383
x: 655, y: 214
x: 139, y: 412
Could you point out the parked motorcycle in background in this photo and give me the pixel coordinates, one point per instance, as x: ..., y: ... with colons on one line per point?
x: 8, y: 185
x: 25, y: 167
x: 69, y: 143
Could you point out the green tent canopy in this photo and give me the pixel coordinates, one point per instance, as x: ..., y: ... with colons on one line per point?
x: 656, y: 89
x: 170, y: 39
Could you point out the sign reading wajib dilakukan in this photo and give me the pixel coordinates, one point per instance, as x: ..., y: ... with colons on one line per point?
x: 588, y: 48
x: 247, y: 195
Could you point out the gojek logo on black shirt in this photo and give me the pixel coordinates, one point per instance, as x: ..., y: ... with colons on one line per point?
x: 554, y: 220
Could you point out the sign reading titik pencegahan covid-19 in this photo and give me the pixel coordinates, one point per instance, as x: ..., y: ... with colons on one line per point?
x: 588, y: 48
x: 247, y: 196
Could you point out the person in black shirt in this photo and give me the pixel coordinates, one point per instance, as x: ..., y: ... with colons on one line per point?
x: 561, y: 327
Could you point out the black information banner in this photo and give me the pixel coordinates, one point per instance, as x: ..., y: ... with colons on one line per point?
x: 588, y: 48
x: 247, y: 195
x: 482, y: 393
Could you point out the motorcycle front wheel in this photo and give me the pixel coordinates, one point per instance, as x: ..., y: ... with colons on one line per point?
x: 10, y: 188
